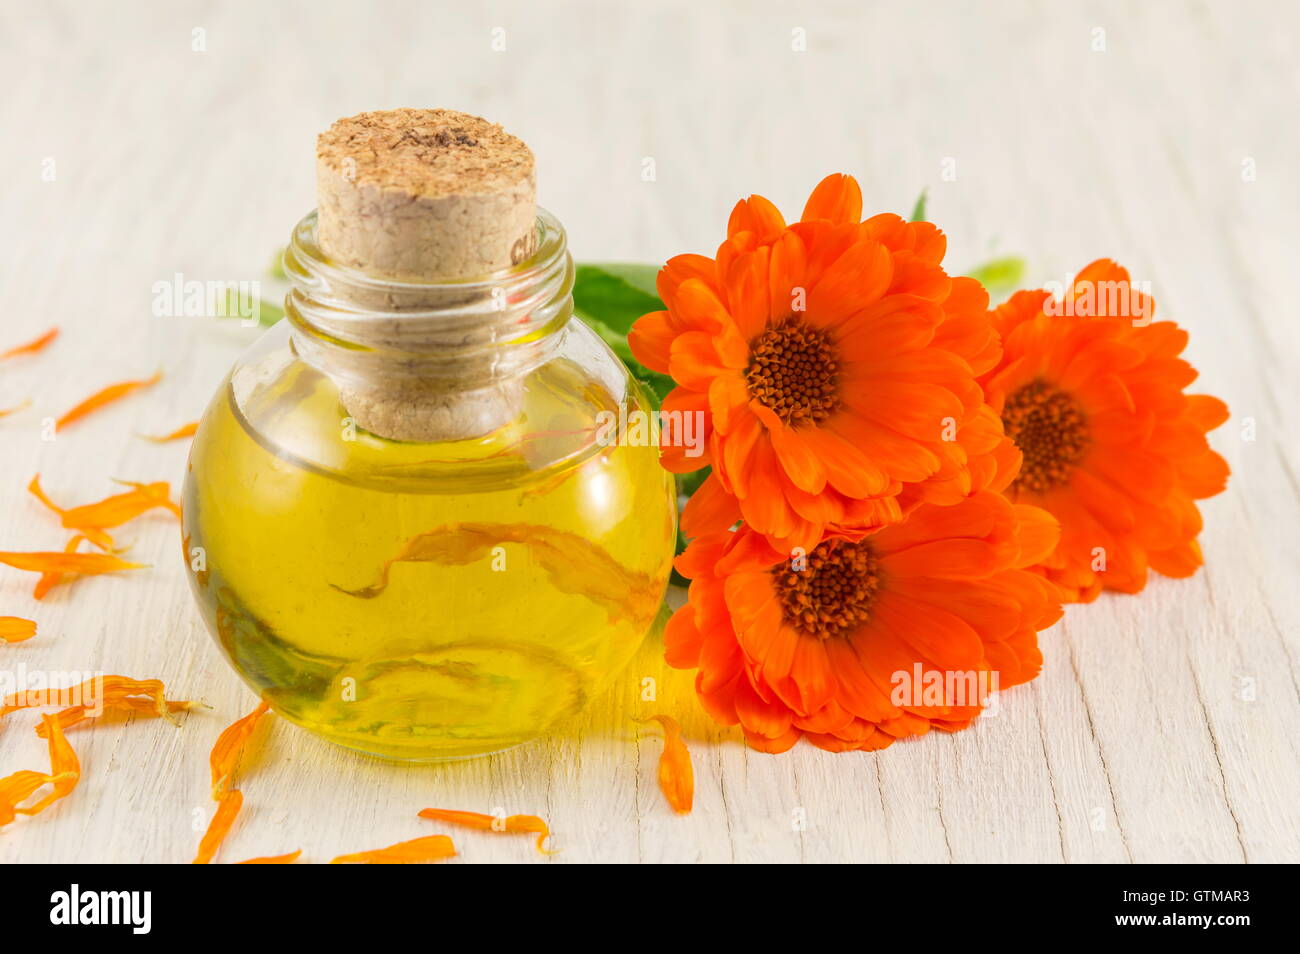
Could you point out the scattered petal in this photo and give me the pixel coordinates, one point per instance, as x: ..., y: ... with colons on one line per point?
x: 185, y: 430
x: 15, y: 629
x: 89, y: 699
x: 17, y: 788
x: 159, y: 491
x: 225, y: 755
x: 114, y: 392
x: 228, y: 806
x: 93, y: 518
x: 31, y: 347
x: 82, y: 564
x: 510, y: 824
x: 429, y: 848
x: 52, y: 578
x: 676, y: 774
x: 230, y: 745
x: 75, y: 715
x: 65, y: 772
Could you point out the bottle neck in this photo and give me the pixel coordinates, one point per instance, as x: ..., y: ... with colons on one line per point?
x: 383, y: 337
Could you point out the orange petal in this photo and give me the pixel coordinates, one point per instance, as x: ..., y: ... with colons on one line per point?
x: 108, y: 395
x: 1039, y: 533
x: 15, y: 629
x: 758, y: 216
x: 34, y: 488
x: 836, y: 198
x: 185, y: 430
x: 84, y: 564
x: 51, y: 579
x: 31, y: 347
x: 16, y: 789
x: 88, y: 699
x: 855, y: 280
x: 511, y: 824
x: 118, y: 509
x: 230, y: 745
x: 429, y: 848
x: 651, y: 338
x: 1206, y: 412
x: 111, y: 511
x: 228, y: 806
x: 74, y: 715
x: 1178, y: 562
x: 676, y: 774
x: 710, y: 509
x: 65, y: 772
x: 797, y: 458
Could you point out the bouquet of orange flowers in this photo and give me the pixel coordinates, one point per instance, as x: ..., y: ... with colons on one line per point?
x: 899, y: 486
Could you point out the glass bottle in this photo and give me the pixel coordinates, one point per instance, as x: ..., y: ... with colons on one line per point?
x: 428, y: 600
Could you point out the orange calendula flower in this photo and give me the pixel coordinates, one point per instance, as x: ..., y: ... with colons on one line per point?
x: 31, y: 347
x: 676, y: 774
x: 1092, y: 391
x: 68, y: 562
x: 429, y: 848
x: 114, y: 392
x: 185, y: 430
x: 510, y: 824
x: 94, y: 518
x: 833, y: 362
x: 65, y: 772
x: 15, y: 629
x: 864, y: 641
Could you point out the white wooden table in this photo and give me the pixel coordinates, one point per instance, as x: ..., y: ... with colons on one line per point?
x: 1163, y: 728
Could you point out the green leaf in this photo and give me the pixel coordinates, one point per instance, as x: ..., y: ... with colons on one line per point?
x: 687, y: 484
x: 609, y: 298
x: 275, y: 268
x: 641, y: 277
x: 613, y: 296
x: 1000, y: 274
x: 918, y: 210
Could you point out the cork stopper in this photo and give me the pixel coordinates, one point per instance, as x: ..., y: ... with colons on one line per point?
x: 426, y: 196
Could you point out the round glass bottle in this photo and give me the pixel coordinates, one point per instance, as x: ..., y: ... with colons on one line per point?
x: 428, y: 600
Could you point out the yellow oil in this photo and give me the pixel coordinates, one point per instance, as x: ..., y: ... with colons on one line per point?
x: 423, y: 601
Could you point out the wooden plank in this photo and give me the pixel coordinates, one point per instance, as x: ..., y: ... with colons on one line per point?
x: 1162, y: 726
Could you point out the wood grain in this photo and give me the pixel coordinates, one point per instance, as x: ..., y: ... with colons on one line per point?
x: 1163, y: 727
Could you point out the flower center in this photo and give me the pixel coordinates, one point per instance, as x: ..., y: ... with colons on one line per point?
x: 833, y: 593
x: 793, y: 372
x: 1050, y: 431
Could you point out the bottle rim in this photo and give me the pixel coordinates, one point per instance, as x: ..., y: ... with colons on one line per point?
x: 308, y: 268
x: 464, y: 333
